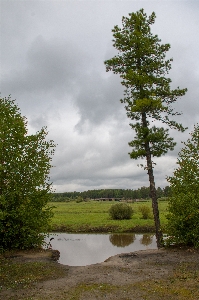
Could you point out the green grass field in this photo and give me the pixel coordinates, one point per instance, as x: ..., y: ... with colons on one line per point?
x: 93, y: 216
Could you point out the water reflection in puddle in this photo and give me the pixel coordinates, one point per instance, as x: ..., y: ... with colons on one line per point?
x: 87, y: 249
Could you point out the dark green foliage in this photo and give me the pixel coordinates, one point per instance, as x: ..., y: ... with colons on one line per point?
x: 142, y: 65
x: 141, y: 193
x: 121, y: 211
x: 25, y: 162
x: 183, y: 217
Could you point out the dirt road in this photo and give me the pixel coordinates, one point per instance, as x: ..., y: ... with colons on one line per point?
x: 152, y: 274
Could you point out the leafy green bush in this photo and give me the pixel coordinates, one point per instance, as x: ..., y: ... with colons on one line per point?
x: 183, y: 217
x: 25, y: 162
x: 145, y: 211
x: 183, y: 220
x: 121, y: 211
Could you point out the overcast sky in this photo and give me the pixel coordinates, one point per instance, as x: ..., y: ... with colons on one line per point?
x: 52, y: 63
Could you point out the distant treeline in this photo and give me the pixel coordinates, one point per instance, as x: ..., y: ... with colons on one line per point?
x: 141, y: 193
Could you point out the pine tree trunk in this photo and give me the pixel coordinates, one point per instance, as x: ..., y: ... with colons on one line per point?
x: 153, y: 193
x: 159, y: 235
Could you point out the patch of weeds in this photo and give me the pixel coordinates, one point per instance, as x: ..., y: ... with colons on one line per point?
x: 96, y: 290
x: 21, y: 275
x: 182, y: 285
x: 186, y: 271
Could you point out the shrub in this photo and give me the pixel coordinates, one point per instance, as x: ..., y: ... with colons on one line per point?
x: 79, y: 199
x: 183, y: 220
x: 145, y: 211
x: 183, y: 217
x: 25, y: 190
x: 121, y: 211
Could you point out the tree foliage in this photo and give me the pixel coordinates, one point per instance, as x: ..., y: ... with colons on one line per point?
x: 25, y: 162
x: 140, y: 193
x: 142, y: 65
x: 183, y: 217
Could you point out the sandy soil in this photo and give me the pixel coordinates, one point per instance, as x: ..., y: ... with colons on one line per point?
x: 123, y: 276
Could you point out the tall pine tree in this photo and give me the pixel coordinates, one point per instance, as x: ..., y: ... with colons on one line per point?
x: 141, y: 63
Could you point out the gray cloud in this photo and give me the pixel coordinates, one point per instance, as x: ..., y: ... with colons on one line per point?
x: 52, y: 62
x: 50, y: 65
x: 99, y: 100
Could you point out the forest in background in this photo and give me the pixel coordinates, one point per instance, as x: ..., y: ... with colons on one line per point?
x: 140, y: 193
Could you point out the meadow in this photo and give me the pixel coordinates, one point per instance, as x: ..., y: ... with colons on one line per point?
x: 93, y: 216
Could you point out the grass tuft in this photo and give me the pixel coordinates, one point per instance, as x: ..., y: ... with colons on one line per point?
x: 14, y: 275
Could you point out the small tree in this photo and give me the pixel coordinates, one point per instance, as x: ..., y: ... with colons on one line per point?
x: 25, y: 162
x: 183, y: 217
x: 148, y: 97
